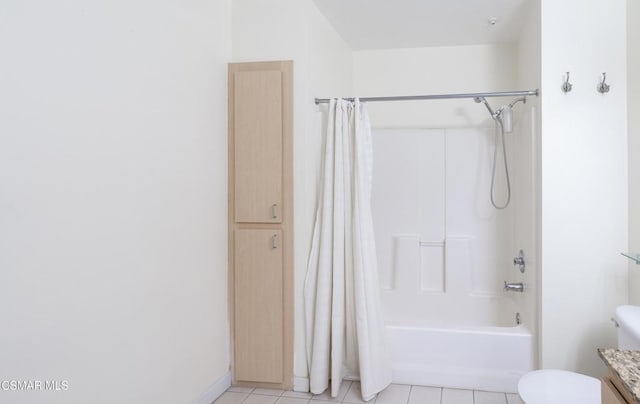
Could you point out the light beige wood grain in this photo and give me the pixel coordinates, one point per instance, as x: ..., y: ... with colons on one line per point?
x: 258, y: 140
x: 610, y: 395
x: 259, y: 317
x: 285, y: 224
x: 617, y: 384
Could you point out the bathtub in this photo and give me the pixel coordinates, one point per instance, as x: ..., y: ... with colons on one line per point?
x: 480, y: 358
x: 455, y: 329
x: 446, y: 326
x: 444, y: 254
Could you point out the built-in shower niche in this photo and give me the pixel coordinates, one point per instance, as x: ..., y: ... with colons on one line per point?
x: 418, y: 266
x: 432, y: 283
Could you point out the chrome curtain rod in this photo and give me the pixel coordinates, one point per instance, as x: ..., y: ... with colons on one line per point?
x: 439, y: 96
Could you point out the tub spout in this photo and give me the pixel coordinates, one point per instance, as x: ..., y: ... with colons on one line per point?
x: 513, y: 286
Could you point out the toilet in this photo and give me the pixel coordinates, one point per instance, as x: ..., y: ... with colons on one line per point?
x: 551, y: 386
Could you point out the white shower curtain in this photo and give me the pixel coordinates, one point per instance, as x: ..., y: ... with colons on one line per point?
x: 344, y: 322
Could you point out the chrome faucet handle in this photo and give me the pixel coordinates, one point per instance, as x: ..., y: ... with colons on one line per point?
x: 519, y: 260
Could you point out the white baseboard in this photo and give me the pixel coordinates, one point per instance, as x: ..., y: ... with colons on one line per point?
x: 301, y: 384
x: 215, y: 390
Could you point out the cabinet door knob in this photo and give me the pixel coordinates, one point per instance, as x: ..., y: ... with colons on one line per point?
x: 274, y: 211
x: 274, y: 241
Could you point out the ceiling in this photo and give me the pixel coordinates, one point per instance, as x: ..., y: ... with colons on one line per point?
x: 381, y: 24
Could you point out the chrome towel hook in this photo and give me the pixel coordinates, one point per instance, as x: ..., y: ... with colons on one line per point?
x: 604, y: 87
x: 566, y: 86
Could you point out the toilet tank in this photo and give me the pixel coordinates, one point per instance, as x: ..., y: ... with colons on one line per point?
x: 628, y: 320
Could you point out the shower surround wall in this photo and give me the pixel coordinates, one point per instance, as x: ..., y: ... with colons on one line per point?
x: 440, y: 242
x: 444, y: 251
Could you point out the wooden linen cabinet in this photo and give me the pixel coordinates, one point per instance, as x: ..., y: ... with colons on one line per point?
x: 261, y: 296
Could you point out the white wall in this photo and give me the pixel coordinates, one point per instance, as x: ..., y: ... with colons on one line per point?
x: 584, y: 181
x: 113, y: 199
x: 296, y: 30
x: 436, y: 70
x: 633, y: 71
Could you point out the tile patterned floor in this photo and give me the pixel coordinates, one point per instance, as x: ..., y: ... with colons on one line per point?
x: 350, y: 394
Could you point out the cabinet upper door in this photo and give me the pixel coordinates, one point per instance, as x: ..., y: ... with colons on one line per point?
x: 258, y: 132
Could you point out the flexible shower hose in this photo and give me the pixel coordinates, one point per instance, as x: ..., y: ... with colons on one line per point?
x: 500, y: 128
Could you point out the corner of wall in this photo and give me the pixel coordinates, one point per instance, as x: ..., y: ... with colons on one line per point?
x: 633, y: 69
x: 296, y: 30
x: 215, y: 390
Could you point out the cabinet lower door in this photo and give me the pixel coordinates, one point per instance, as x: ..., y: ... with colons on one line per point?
x: 258, y: 306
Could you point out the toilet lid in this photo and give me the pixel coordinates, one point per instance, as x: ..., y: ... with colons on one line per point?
x: 550, y: 386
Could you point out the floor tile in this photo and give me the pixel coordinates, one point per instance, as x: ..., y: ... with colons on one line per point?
x: 350, y: 393
x: 238, y: 389
x: 455, y: 396
x: 297, y: 394
x: 394, y: 394
x: 292, y: 400
x: 231, y: 398
x: 354, y: 395
x: 514, y: 399
x: 260, y: 399
x: 344, y: 387
x: 485, y: 397
x: 425, y: 395
x: 268, y: 392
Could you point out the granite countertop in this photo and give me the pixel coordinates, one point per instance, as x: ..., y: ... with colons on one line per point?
x: 626, y: 365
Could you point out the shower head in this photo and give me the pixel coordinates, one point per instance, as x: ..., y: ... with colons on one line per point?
x: 496, y: 114
x: 506, y: 118
x: 483, y: 100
